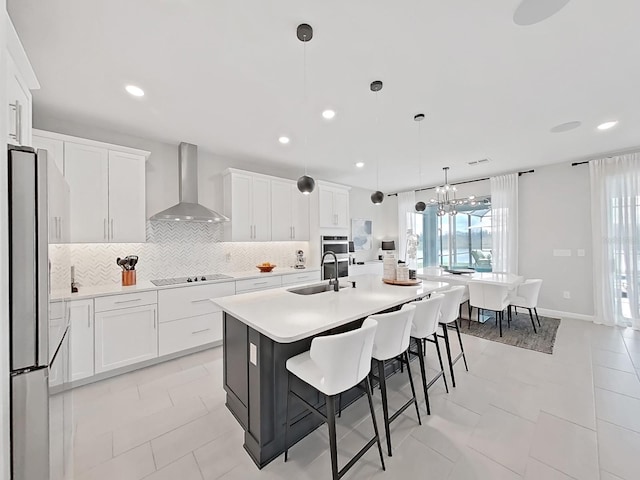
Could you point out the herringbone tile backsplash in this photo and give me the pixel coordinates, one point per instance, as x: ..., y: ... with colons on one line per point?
x: 172, y: 250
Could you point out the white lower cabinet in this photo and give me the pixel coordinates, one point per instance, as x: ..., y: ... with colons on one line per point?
x: 125, y: 336
x: 302, y: 277
x: 81, y: 353
x: 186, y: 333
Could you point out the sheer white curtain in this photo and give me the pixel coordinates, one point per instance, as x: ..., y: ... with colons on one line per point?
x: 504, y: 223
x: 615, y: 220
x: 406, y: 204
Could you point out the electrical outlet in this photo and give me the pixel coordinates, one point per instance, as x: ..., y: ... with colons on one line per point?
x: 228, y: 257
x: 581, y: 252
x: 566, y: 294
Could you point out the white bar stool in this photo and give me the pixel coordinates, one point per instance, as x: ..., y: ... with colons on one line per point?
x: 424, y: 329
x: 391, y: 341
x: 335, y: 364
x: 449, y: 319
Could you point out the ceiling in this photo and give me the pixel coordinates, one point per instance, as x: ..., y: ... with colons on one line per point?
x: 228, y: 75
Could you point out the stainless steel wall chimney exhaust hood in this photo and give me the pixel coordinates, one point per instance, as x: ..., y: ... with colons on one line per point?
x: 188, y: 208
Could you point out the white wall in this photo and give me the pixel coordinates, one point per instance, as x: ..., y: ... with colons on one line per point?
x: 555, y: 214
x: 384, y: 219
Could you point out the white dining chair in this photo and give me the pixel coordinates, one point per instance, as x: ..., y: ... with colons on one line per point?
x: 424, y: 329
x: 526, y: 296
x: 392, y: 341
x: 449, y: 319
x: 335, y: 364
x: 489, y: 296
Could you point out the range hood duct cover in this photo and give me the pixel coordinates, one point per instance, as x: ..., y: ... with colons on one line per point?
x: 188, y: 208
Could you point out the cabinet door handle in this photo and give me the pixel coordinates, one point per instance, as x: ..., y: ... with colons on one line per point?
x: 200, y: 301
x: 17, y: 136
x: 59, y: 225
x: 154, y: 319
x: 112, y: 229
x: 260, y: 283
x: 88, y: 316
x: 104, y: 228
x: 200, y: 331
x: 128, y: 301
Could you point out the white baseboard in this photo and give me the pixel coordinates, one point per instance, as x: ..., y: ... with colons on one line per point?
x: 558, y: 314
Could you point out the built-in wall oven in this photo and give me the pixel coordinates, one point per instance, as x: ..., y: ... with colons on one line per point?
x: 339, y: 245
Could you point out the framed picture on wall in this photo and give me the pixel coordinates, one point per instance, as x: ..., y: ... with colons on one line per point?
x: 361, y: 234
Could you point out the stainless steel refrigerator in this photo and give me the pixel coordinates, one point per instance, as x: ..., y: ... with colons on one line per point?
x: 30, y: 355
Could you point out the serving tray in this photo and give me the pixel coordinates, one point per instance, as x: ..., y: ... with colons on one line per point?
x: 405, y: 283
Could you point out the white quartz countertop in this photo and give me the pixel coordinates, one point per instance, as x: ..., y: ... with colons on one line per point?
x: 142, y: 286
x: 287, y: 317
x: 438, y: 274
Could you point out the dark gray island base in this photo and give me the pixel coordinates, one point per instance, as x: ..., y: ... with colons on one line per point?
x: 256, y: 386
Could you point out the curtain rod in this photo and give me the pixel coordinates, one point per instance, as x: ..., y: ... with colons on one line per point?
x: 608, y: 155
x: 459, y: 183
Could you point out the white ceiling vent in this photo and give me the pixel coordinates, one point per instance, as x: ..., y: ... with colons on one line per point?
x: 476, y: 162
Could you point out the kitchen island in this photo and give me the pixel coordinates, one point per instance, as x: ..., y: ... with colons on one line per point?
x: 263, y: 329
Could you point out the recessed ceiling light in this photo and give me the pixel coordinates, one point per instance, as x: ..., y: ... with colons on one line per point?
x: 135, y: 91
x: 360, y: 164
x: 607, y: 125
x: 329, y: 114
x: 284, y: 140
x: 565, y: 127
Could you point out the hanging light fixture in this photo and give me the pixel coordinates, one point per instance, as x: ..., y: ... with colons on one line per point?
x: 304, y: 32
x: 377, y: 197
x: 420, y: 206
x: 446, y: 201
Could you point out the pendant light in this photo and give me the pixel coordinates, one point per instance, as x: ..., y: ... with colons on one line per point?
x: 304, y: 32
x: 420, y: 206
x: 377, y: 197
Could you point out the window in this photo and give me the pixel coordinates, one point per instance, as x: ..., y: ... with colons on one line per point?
x: 462, y: 240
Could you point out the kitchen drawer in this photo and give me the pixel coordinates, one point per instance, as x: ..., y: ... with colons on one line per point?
x: 262, y: 283
x: 187, y: 333
x: 56, y: 310
x: 191, y: 301
x: 302, y: 277
x: 125, y: 300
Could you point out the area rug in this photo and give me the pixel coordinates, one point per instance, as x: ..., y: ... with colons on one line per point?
x: 520, y: 334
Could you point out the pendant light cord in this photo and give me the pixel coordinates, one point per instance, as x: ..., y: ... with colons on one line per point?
x: 304, y: 103
x: 378, y: 155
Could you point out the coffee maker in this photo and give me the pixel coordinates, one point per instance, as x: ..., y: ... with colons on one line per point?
x: 300, y: 260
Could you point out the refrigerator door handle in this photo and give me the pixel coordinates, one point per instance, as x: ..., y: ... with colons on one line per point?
x: 42, y: 256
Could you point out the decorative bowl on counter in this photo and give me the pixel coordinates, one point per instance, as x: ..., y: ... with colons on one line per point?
x: 266, y: 267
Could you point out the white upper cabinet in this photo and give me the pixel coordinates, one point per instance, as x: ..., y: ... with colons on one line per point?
x: 20, y: 80
x: 247, y: 201
x: 334, y: 206
x: 54, y: 148
x: 106, y: 190
x: 87, y: 172
x: 289, y: 212
x: 127, y: 204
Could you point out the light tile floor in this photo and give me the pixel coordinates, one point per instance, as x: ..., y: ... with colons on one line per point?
x: 516, y: 414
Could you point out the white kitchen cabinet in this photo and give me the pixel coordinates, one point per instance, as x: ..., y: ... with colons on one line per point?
x: 301, y: 277
x: 334, y: 207
x: 127, y: 203
x: 86, y: 170
x: 18, y: 106
x: 54, y: 148
x: 125, y: 336
x: 185, y: 333
x: 106, y: 189
x: 289, y: 212
x: 81, y: 336
x: 247, y: 201
x: 265, y: 282
x: 191, y: 301
x: 59, y: 205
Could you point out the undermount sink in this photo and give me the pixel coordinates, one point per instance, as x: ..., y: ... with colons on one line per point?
x: 312, y: 289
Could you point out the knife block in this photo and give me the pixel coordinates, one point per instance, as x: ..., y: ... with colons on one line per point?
x: 128, y: 278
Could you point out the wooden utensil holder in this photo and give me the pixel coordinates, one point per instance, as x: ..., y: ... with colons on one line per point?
x: 128, y: 278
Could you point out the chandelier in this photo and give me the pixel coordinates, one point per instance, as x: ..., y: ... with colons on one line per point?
x: 446, y: 201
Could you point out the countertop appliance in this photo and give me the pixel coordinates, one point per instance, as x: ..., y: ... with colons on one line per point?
x: 30, y: 357
x: 162, y: 282
x: 339, y: 245
x: 300, y: 260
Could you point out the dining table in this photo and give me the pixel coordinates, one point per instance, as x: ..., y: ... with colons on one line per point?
x: 464, y: 276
